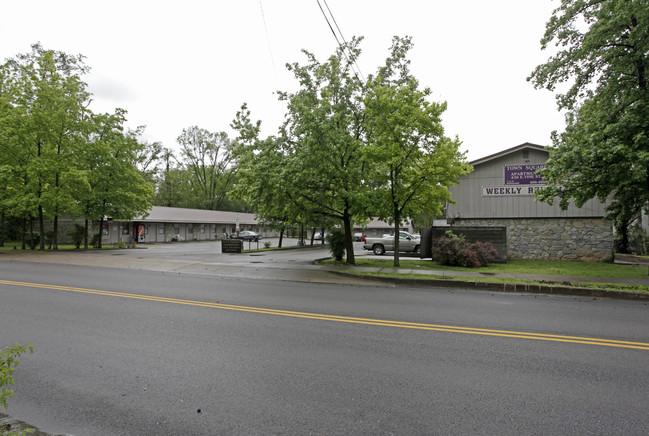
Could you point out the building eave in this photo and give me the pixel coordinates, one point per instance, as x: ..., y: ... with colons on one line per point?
x: 526, y: 145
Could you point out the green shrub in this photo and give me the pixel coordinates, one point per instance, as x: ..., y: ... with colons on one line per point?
x: 77, y: 235
x: 8, y: 361
x: 120, y: 244
x: 336, y: 241
x: 49, y: 239
x: 34, y: 241
x: 94, y: 241
x: 454, y: 250
x: 267, y: 244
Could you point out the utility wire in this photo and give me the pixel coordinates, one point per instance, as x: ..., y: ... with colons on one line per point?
x: 344, y: 40
x: 270, y: 50
x: 352, y: 59
x: 343, y: 47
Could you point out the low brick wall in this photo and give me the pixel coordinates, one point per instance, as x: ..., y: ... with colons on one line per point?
x: 584, y: 239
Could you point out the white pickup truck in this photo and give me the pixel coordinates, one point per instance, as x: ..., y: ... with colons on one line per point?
x: 408, y: 243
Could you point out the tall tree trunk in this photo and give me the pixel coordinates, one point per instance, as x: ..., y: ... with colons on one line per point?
x: 323, y: 236
x: 101, y: 233
x: 24, y: 233
x: 41, y: 227
x: 397, y: 222
x: 281, y: 237
x: 55, y: 233
x: 85, y: 234
x: 57, y: 183
x: 349, y: 240
x: 2, y: 229
x: 623, y: 231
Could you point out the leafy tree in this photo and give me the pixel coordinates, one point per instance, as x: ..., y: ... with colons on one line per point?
x: 57, y: 156
x: 322, y: 141
x: 9, y: 359
x: 207, y: 157
x: 118, y: 188
x: 48, y: 103
x: 149, y: 159
x: 165, y: 185
x: 603, y: 58
x: 172, y: 184
x: 412, y: 162
x: 260, y: 175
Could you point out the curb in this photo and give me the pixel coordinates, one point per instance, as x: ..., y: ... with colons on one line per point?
x: 505, y: 287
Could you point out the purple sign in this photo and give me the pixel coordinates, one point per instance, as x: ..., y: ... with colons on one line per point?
x: 523, y: 174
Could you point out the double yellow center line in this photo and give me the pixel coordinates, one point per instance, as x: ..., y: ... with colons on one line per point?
x: 348, y: 319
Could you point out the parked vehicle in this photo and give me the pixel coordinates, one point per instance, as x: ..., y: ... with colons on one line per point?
x: 408, y: 243
x: 359, y: 237
x: 246, y: 235
x: 318, y: 236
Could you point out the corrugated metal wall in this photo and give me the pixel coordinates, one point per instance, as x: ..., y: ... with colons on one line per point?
x: 471, y: 203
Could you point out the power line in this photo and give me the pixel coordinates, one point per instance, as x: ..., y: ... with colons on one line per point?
x: 352, y: 60
x: 270, y: 50
x: 343, y: 38
x: 343, y: 47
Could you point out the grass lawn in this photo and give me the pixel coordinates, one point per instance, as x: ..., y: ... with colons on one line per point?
x: 546, y: 267
x: 621, y: 287
x: 555, y: 268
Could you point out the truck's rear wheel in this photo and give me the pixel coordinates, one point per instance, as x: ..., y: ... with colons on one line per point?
x: 378, y: 249
x: 416, y: 250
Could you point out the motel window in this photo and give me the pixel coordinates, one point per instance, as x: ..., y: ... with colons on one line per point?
x: 161, y: 229
x: 202, y: 228
x: 190, y: 228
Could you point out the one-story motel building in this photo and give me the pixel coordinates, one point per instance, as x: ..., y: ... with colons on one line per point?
x: 168, y: 224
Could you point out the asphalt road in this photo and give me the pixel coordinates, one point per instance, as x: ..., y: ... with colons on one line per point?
x: 161, y: 344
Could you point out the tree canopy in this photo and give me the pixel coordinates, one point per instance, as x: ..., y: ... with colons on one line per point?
x: 57, y: 156
x: 603, y: 59
x: 322, y: 139
x: 207, y: 157
x: 350, y: 150
x: 413, y: 163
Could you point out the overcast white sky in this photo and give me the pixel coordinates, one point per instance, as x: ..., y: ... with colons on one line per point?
x: 172, y: 65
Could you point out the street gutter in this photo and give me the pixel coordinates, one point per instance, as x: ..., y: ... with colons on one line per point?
x: 532, y: 288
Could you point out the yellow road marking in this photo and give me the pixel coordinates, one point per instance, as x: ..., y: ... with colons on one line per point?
x: 349, y: 319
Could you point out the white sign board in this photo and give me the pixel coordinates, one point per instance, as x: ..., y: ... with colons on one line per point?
x: 503, y: 191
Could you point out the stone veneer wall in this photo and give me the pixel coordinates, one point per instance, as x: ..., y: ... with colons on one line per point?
x: 584, y: 239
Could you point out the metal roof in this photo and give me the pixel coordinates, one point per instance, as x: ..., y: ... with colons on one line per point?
x: 375, y: 223
x: 508, y: 151
x: 162, y: 214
